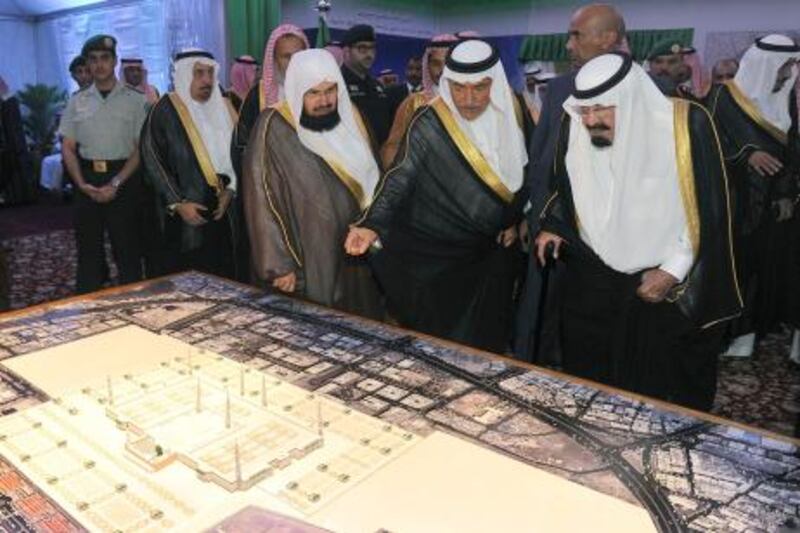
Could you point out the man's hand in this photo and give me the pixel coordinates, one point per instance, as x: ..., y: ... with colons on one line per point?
x: 542, y: 241
x: 655, y: 286
x: 507, y: 237
x: 359, y: 240
x: 224, y: 201
x: 285, y: 283
x: 191, y: 213
x: 105, y: 194
x: 764, y: 163
x: 91, y: 191
x: 785, y: 209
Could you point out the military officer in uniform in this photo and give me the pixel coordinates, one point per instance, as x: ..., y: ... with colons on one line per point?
x: 668, y: 69
x: 100, y: 130
x: 366, y: 93
x: 79, y: 71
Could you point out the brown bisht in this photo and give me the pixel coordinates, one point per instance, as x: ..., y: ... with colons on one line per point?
x: 298, y: 209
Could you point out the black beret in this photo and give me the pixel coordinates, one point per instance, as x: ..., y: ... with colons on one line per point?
x: 99, y: 43
x: 360, y: 33
x: 77, y: 61
x: 665, y: 47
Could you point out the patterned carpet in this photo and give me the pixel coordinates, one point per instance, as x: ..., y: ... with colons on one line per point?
x: 41, y: 267
x: 763, y: 391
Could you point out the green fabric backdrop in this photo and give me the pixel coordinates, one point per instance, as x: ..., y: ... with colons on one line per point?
x: 249, y: 24
x: 552, y: 47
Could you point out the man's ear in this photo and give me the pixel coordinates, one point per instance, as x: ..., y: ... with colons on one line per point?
x: 610, y: 39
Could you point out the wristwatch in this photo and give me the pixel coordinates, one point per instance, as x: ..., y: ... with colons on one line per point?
x: 116, y: 182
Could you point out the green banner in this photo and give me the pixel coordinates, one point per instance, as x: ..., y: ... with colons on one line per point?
x: 249, y: 24
x: 552, y: 47
x: 323, y: 33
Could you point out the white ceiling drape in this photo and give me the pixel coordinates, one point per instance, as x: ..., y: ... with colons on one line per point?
x: 150, y: 29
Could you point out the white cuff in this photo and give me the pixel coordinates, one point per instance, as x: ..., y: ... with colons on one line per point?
x: 678, y: 265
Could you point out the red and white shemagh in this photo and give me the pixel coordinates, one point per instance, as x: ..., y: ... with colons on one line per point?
x: 243, y: 75
x: 428, y: 86
x: 269, y: 76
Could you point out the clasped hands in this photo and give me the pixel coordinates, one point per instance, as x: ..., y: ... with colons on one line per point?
x: 192, y: 212
x: 767, y: 165
x: 102, y: 195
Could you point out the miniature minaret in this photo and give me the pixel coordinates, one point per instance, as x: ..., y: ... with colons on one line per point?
x: 198, y: 404
x: 320, y: 422
x: 241, y: 380
x: 189, y: 359
x: 263, y: 391
x: 227, y: 409
x: 110, y: 391
x: 237, y: 463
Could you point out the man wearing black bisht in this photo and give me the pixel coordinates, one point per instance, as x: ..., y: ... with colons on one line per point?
x: 371, y: 98
x: 594, y: 29
x: 639, y: 211
x: 756, y: 113
x: 17, y: 182
x: 185, y: 150
x: 446, y: 215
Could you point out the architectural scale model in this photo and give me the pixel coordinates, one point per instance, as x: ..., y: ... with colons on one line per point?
x: 233, y: 425
x: 265, y: 360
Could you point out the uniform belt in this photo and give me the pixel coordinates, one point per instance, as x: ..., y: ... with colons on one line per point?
x: 102, y: 166
x: 99, y: 172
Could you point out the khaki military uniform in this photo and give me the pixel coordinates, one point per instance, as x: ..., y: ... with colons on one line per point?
x: 106, y: 130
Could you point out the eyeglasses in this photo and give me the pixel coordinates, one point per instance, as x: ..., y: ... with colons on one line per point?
x: 585, y: 110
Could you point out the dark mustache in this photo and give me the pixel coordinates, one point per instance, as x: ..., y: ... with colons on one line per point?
x: 599, y: 128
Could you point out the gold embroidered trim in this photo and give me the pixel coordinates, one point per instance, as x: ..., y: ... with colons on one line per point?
x: 268, y: 194
x: 543, y: 212
x: 148, y: 145
x: 683, y: 156
x: 755, y: 115
x: 470, y: 152
x: 352, y: 185
x: 385, y: 177
x: 198, y: 146
x: 231, y: 111
x: 262, y: 98
x: 727, y: 207
x: 518, y: 110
